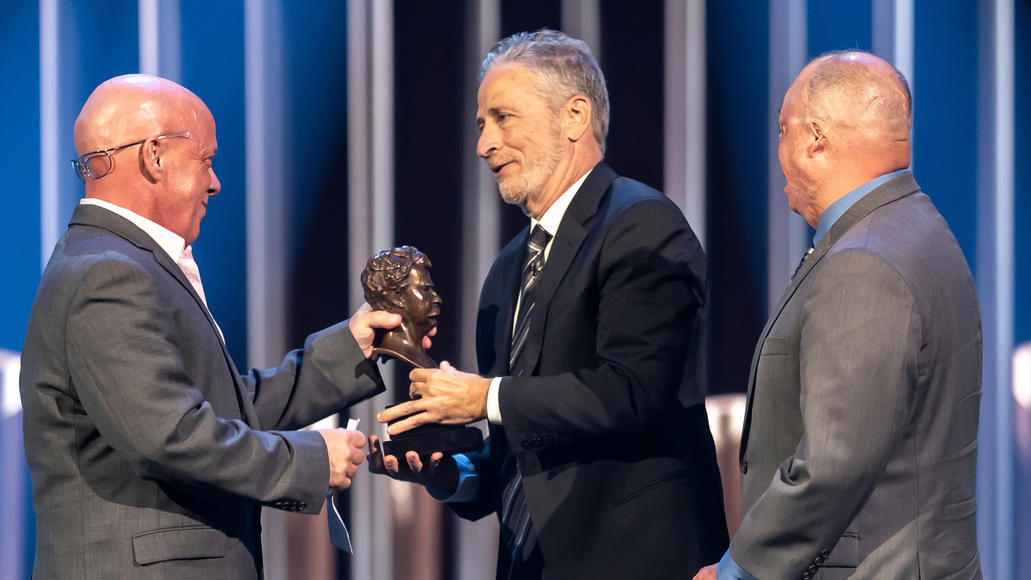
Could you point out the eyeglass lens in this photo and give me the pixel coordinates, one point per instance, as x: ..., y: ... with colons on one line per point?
x: 97, y: 165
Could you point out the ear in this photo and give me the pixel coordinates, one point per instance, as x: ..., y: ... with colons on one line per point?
x: 818, y: 139
x: 577, y: 117
x: 151, y: 162
x: 398, y: 301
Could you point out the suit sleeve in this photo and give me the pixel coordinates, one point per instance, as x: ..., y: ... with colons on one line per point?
x: 330, y: 373
x: 651, y: 289
x: 125, y: 349
x: 860, y: 335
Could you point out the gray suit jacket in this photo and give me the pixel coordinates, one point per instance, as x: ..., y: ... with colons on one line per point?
x: 150, y: 454
x: 859, y: 447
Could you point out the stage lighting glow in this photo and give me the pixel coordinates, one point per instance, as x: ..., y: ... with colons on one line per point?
x: 1022, y: 376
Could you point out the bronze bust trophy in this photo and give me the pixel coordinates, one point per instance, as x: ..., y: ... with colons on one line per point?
x: 398, y: 280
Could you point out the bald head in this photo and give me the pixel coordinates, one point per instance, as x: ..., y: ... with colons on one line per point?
x: 861, y: 96
x: 166, y: 175
x: 131, y: 107
x: 845, y: 120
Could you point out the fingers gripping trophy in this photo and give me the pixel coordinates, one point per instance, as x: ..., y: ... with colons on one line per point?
x: 398, y: 280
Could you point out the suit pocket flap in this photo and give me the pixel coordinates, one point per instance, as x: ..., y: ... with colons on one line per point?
x: 188, y: 543
x: 845, y: 554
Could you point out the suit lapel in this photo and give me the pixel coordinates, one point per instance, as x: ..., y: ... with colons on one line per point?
x: 570, y: 235
x: 89, y: 215
x: 899, y: 187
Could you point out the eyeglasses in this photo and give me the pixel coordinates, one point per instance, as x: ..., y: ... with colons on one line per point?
x: 97, y: 164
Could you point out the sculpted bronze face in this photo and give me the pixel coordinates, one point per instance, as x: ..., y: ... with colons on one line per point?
x: 398, y: 280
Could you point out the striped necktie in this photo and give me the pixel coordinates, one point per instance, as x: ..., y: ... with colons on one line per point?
x: 532, y: 268
x: 516, y: 527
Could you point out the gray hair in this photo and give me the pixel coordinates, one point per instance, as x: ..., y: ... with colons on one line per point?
x: 875, y: 92
x: 564, y: 66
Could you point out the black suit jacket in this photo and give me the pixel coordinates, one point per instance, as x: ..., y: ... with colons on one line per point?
x: 607, y: 423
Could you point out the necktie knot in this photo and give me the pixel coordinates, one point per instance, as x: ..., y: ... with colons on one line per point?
x: 535, y: 254
x: 538, y: 238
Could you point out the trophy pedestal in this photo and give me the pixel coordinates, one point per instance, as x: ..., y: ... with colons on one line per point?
x: 433, y: 437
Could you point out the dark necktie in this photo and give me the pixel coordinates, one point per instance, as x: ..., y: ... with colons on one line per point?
x: 805, y: 257
x: 516, y: 527
x: 532, y: 268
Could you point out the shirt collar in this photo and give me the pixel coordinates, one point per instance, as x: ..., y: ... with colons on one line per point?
x: 553, y: 217
x: 172, y: 243
x: 837, y: 209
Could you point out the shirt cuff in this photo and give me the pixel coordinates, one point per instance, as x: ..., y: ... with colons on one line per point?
x: 493, y: 406
x: 468, y: 482
x: 729, y: 570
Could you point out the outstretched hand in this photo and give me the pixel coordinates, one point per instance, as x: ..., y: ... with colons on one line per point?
x: 439, y: 472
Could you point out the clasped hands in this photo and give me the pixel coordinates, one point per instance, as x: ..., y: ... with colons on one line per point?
x: 443, y: 395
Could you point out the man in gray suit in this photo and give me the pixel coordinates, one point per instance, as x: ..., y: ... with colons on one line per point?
x: 150, y: 454
x: 859, y: 446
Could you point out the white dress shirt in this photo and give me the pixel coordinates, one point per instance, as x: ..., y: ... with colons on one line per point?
x: 549, y: 222
x: 172, y: 243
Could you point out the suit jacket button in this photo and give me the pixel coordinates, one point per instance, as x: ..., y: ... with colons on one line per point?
x: 744, y: 467
x: 301, y: 505
x: 824, y: 554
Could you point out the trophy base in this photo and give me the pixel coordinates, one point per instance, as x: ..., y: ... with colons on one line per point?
x: 432, y: 437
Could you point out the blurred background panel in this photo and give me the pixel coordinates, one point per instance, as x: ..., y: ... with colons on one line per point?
x: 346, y: 127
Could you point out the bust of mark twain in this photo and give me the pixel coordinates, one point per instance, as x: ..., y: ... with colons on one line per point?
x: 398, y: 280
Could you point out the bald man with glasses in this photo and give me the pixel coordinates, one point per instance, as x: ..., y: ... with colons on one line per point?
x: 150, y: 454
